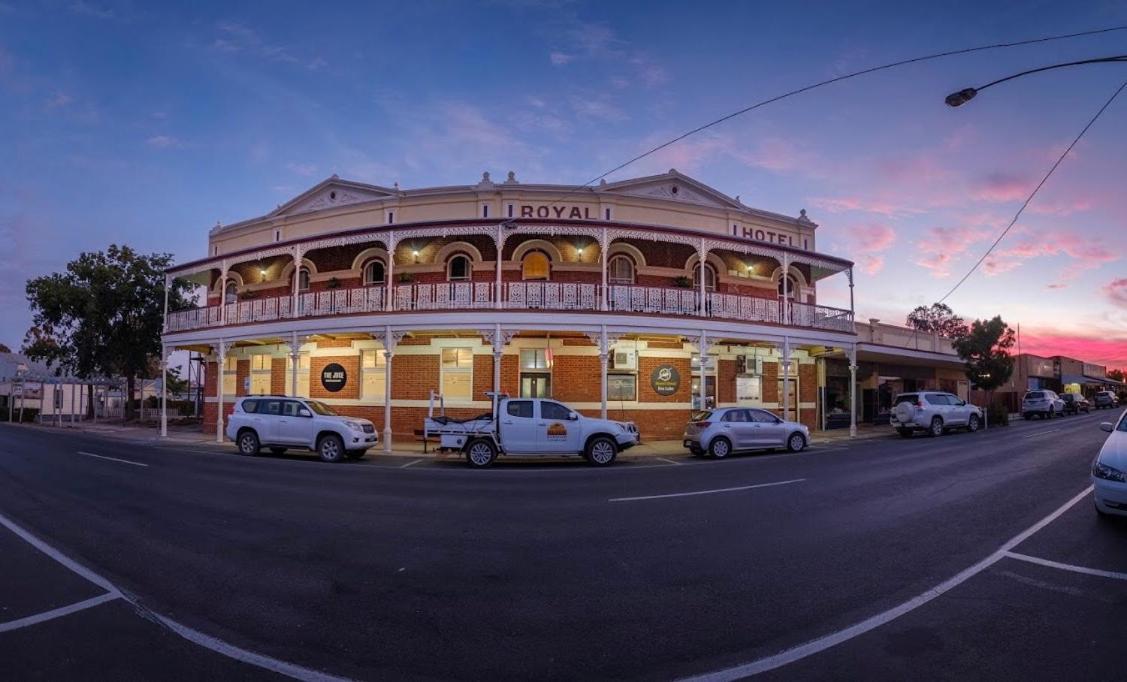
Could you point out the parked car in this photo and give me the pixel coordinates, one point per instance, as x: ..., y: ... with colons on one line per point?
x: 531, y: 427
x: 1041, y: 403
x: 1104, y: 399
x: 1074, y: 403
x: 725, y: 430
x: 1109, y: 470
x: 933, y: 412
x: 279, y: 423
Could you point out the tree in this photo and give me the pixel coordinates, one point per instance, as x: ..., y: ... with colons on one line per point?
x: 937, y: 319
x: 985, y: 349
x: 104, y: 315
x: 1116, y: 374
x: 4, y: 349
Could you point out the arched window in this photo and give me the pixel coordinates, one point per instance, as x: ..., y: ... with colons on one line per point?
x: 303, y: 279
x: 709, y: 277
x: 232, y: 294
x: 620, y: 270
x: 458, y: 268
x: 535, y: 266
x: 791, y: 287
x: 374, y: 273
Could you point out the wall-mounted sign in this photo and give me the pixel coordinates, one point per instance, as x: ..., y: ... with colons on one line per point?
x: 557, y: 212
x: 665, y: 379
x: 759, y: 234
x: 333, y: 377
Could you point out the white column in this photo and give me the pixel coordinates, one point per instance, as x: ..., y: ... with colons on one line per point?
x: 222, y: 347
x: 71, y: 403
x: 167, y: 282
x: 604, y: 246
x: 389, y: 304
x: 849, y: 274
x: 702, y: 348
x: 58, y: 411
x: 853, y: 391
x: 786, y: 379
x: 223, y: 294
x: 702, y: 257
x: 498, y: 351
x: 297, y: 255
x: 499, y: 242
x: 604, y: 350
x: 786, y: 289
x: 295, y: 359
x: 163, y: 391
x: 389, y: 351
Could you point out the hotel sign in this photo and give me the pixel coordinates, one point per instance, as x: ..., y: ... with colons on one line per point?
x: 558, y: 212
x: 760, y: 234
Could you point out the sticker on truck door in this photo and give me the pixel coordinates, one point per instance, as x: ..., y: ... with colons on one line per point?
x: 557, y: 431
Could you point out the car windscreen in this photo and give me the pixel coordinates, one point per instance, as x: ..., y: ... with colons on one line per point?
x: 906, y: 398
x: 321, y: 408
x: 1034, y: 395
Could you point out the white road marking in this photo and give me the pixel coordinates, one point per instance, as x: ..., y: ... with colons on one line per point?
x: 705, y: 492
x: 411, y: 463
x: 113, y: 459
x: 194, y: 636
x: 56, y: 613
x: 1034, y: 435
x: 666, y: 459
x: 833, y: 639
x: 1066, y: 567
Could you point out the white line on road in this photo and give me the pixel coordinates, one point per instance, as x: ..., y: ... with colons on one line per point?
x: 411, y: 463
x: 822, y: 643
x: 56, y: 613
x: 705, y: 492
x: 1066, y: 567
x: 666, y: 459
x: 194, y: 636
x: 113, y: 459
x: 1034, y: 435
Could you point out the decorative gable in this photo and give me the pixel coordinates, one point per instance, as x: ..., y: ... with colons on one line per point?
x: 672, y: 186
x: 332, y: 193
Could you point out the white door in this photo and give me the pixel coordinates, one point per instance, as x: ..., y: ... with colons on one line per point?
x: 268, y: 421
x: 959, y: 409
x: 518, y: 427
x: 294, y: 429
x: 557, y: 431
x: 736, y: 427
x: 769, y: 429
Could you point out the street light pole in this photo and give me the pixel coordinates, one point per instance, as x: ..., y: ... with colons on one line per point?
x: 957, y: 99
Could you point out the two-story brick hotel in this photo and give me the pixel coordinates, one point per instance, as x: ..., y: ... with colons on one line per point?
x: 639, y: 300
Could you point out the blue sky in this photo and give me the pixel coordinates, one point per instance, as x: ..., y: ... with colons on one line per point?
x: 145, y: 124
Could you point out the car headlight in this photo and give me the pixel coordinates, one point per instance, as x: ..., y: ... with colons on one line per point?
x: 1100, y: 470
x: 355, y: 426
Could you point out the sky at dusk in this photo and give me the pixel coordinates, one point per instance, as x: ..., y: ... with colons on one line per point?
x: 144, y: 124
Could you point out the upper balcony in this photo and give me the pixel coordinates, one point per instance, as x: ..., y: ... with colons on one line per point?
x: 576, y: 267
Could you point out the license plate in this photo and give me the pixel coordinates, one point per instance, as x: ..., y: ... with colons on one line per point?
x: 688, y: 444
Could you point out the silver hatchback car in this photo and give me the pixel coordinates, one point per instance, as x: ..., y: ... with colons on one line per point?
x: 725, y: 430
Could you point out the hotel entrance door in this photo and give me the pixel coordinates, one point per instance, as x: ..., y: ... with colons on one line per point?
x: 790, y: 384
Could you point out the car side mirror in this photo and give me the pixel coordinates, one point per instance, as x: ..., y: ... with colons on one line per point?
x: 304, y: 413
x: 572, y: 416
x: 1107, y: 426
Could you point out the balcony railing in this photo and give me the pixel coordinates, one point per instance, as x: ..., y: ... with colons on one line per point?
x: 515, y: 296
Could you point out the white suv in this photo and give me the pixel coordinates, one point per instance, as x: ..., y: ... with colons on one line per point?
x: 933, y: 412
x: 1043, y: 403
x: 278, y: 423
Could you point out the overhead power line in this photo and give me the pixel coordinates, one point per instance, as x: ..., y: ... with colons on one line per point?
x: 1036, y: 189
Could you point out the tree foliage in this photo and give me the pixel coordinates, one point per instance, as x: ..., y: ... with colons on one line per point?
x: 104, y: 314
x: 985, y: 349
x: 4, y: 349
x: 1116, y: 374
x: 937, y: 319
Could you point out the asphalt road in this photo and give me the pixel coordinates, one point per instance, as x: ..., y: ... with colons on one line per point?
x: 646, y: 570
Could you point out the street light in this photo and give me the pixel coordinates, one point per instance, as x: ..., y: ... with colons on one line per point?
x: 957, y: 99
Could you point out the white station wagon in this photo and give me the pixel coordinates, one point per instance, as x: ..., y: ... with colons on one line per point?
x: 278, y: 423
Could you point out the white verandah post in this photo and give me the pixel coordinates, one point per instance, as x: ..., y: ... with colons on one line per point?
x: 853, y: 391
x: 786, y: 289
x: 604, y: 350
x: 222, y: 347
x: 295, y: 358
x: 702, y: 257
x: 604, y: 246
x: 389, y: 351
x: 163, y: 391
x: 702, y: 348
x: 297, y: 256
x: 499, y: 244
x: 786, y: 380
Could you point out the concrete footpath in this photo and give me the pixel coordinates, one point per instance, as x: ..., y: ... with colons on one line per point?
x: 403, y: 447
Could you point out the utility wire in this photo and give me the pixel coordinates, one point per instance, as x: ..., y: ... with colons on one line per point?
x: 1032, y: 194
x: 828, y: 81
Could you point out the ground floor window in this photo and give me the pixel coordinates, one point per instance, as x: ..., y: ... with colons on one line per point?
x: 749, y: 390
x: 230, y: 370
x: 622, y: 387
x: 373, y: 368
x: 709, y: 392
x: 457, y: 373
x: 260, y: 366
x: 535, y: 373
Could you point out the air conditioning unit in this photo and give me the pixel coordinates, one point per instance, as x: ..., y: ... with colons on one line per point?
x: 749, y: 364
x: 624, y: 359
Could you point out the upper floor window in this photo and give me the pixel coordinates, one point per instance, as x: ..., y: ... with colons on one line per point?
x: 709, y: 277
x: 536, y: 266
x: 303, y: 279
x: 374, y: 273
x: 232, y: 293
x: 458, y: 268
x: 620, y: 270
x: 790, y: 290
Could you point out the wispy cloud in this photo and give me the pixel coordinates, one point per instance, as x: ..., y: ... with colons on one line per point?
x: 859, y: 204
x: 91, y: 10
x: 560, y: 58
x: 163, y: 142
x: 867, y: 244
x: 302, y: 169
x: 939, y: 246
x: 1116, y: 291
x: 1002, y: 187
x: 1086, y: 256
x: 235, y: 38
x: 58, y: 100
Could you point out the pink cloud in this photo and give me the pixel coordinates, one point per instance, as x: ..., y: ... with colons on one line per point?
x: 1087, y: 255
x: 1116, y: 291
x: 1060, y: 208
x: 862, y: 205
x: 1103, y: 349
x: 868, y: 243
x: 1001, y: 187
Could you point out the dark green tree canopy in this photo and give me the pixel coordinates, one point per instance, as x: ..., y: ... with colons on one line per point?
x: 985, y: 349
x: 937, y: 319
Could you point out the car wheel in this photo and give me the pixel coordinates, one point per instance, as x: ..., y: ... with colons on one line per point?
x: 1052, y: 412
x: 331, y: 448
x: 972, y: 423
x: 480, y: 453
x: 601, y: 451
x: 720, y: 447
x: 796, y: 442
x: 936, y: 428
x: 904, y: 433
x: 278, y: 451
x: 248, y: 443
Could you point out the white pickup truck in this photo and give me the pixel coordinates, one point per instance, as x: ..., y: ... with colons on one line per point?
x: 533, y: 427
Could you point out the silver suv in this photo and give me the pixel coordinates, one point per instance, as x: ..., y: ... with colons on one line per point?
x: 725, y: 430
x: 933, y: 412
x: 1104, y: 399
x: 278, y: 423
x: 1042, y: 403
